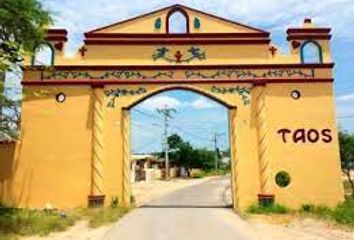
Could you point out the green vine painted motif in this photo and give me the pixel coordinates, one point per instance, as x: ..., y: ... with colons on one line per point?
x: 239, y: 74
x: 219, y: 74
x: 289, y: 73
x: 119, y: 75
x: 243, y: 92
x: 116, y: 93
x: 193, y: 53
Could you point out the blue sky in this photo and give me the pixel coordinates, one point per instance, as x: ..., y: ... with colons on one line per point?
x: 79, y: 16
x: 196, y: 120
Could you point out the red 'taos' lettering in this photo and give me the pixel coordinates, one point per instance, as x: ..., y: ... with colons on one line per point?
x: 306, y: 136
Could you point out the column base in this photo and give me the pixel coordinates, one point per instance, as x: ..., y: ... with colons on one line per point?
x: 266, y: 200
x: 95, y: 201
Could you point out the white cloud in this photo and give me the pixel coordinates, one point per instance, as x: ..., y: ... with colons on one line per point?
x: 345, y: 98
x: 275, y: 15
x: 203, y: 103
x: 160, y: 102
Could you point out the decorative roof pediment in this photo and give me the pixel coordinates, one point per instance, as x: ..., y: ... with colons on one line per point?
x: 157, y: 22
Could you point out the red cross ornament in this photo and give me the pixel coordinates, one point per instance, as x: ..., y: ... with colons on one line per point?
x: 83, y: 51
x: 273, y: 50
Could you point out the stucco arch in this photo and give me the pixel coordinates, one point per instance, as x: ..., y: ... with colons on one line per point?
x: 315, y: 45
x: 171, y: 12
x: 192, y: 88
x: 38, y: 48
x: 125, y: 134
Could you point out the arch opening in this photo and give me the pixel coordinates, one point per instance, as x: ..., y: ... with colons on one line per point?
x: 311, y: 53
x: 189, y: 129
x: 43, y: 55
x: 182, y: 88
x: 177, y: 22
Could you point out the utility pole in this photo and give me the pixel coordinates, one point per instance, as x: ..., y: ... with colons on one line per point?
x: 216, y: 135
x: 167, y: 114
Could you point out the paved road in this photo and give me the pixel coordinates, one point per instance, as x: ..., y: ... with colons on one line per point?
x: 197, y: 212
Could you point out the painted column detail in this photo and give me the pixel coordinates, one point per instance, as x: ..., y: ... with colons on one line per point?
x: 126, y: 158
x: 234, y: 160
x: 265, y: 173
x: 97, y: 144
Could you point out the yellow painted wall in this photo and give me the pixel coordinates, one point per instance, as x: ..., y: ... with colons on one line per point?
x: 213, y: 25
x: 7, y: 164
x: 142, y: 25
x: 53, y: 164
x: 215, y: 54
x: 314, y: 167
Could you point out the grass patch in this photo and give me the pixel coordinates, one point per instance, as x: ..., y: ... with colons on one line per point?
x: 16, y: 222
x: 342, y: 214
x: 25, y: 222
x: 203, y: 173
x: 271, y: 209
x: 8, y: 237
x: 101, y: 216
x: 321, y: 212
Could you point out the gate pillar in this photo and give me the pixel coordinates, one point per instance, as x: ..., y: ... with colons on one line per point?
x: 264, y: 197
x: 126, y: 194
x: 234, y: 160
x: 96, y: 197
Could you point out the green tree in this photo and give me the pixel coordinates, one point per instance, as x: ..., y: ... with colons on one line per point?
x: 206, y: 159
x: 346, y: 142
x: 186, y: 156
x: 22, y: 28
x: 174, y: 141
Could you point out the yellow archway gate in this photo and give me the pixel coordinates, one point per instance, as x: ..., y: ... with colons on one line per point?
x: 74, y: 147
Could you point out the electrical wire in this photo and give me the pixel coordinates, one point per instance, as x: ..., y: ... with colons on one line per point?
x: 146, y: 114
x: 145, y: 128
x: 189, y: 133
x: 346, y: 117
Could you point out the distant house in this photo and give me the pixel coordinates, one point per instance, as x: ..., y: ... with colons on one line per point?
x: 147, y: 167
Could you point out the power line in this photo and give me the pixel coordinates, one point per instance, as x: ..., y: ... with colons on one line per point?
x: 146, y: 114
x: 145, y: 127
x: 166, y: 113
x: 189, y: 133
x: 148, y: 145
x: 197, y: 125
x: 343, y: 93
x: 346, y: 117
x: 216, y: 135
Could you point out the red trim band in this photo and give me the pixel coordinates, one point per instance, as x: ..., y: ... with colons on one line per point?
x: 308, y: 30
x: 196, y: 81
x: 57, y: 31
x: 176, y: 35
x: 177, y: 41
x: 309, y: 37
x: 182, y: 67
x: 57, y: 38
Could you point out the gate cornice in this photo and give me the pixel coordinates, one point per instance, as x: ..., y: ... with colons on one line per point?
x: 180, y: 67
x: 179, y: 74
